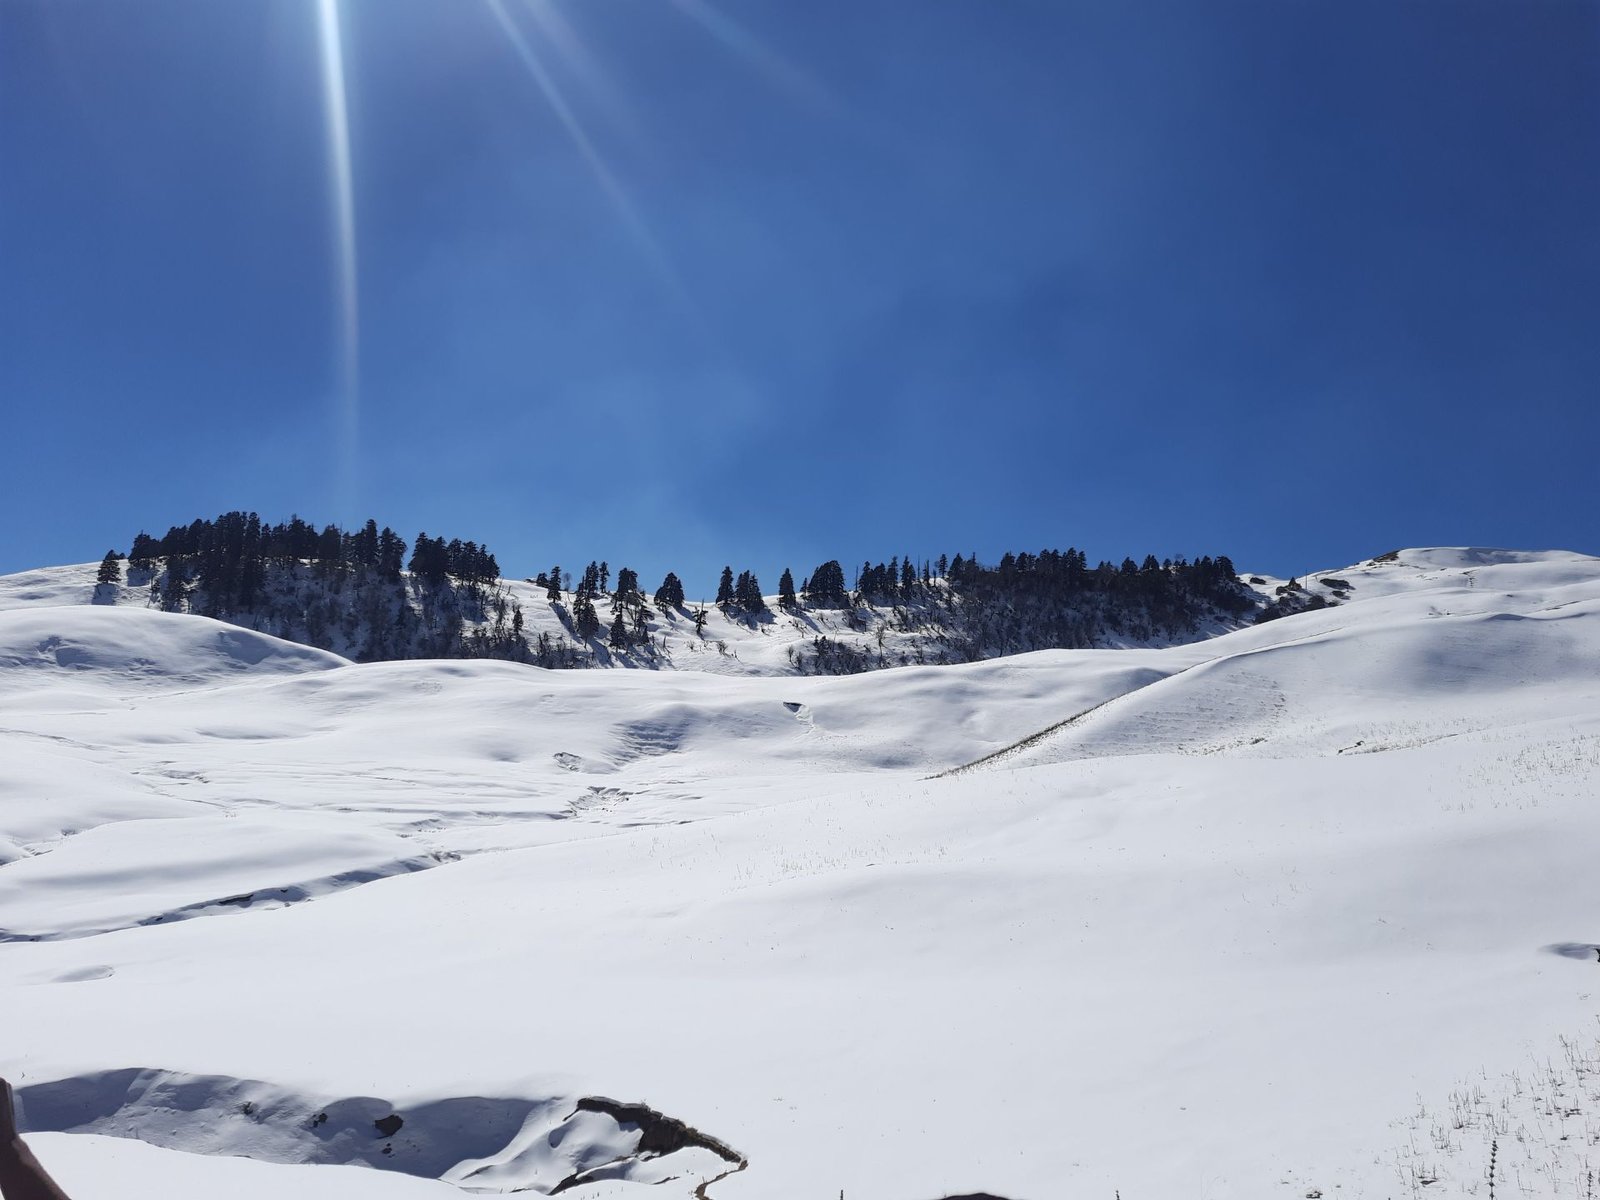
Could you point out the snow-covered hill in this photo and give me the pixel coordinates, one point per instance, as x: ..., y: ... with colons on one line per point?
x: 360, y: 619
x: 1257, y: 916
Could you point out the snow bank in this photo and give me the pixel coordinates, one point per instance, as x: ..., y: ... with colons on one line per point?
x: 481, y: 1144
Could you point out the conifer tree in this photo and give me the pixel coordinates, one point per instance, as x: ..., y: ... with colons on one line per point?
x: 747, y: 593
x: 110, y: 569
x: 365, y: 551
x: 430, y: 559
x: 176, y: 593
x: 391, y: 553
x: 552, y: 589
x: 619, y: 632
x: 826, y: 586
x: 670, y: 594
x: 786, y: 597
x: 330, y: 548
x: 584, y: 618
x: 143, y: 553
x: 725, y: 588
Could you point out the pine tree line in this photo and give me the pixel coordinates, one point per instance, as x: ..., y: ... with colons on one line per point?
x: 356, y: 592
x: 961, y: 610
x: 370, y: 594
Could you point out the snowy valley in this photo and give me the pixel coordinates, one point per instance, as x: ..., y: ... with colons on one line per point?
x: 1305, y: 908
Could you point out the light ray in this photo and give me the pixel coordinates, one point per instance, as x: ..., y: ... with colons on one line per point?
x: 609, y: 183
x: 745, y: 45
x: 558, y: 31
x: 337, y: 112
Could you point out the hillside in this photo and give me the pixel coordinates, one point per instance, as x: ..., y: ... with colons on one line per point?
x: 367, y: 618
x: 1256, y: 916
x: 371, y: 596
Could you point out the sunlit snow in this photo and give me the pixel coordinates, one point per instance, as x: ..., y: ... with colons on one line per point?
x: 1260, y: 916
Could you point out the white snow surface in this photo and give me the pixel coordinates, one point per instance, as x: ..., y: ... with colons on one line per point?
x: 1256, y: 917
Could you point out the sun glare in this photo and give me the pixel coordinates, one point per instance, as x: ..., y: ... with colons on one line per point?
x: 553, y: 96
x: 755, y: 53
x: 337, y: 114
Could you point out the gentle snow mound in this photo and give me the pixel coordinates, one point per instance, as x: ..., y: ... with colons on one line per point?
x: 137, y: 644
x: 1464, y: 557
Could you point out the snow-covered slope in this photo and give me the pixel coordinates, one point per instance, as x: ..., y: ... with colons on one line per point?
x: 136, y: 649
x: 1254, y: 917
x: 1453, y: 641
x: 938, y: 626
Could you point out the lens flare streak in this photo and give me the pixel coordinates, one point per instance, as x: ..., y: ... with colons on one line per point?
x: 609, y: 183
x: 554, y: 28
x: 337, y: 112
x: 756, y: 54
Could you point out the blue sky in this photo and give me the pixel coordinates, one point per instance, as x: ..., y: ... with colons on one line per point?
x: 1295, y: 282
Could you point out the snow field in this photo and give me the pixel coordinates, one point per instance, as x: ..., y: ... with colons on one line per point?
x: 1147, y: 953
